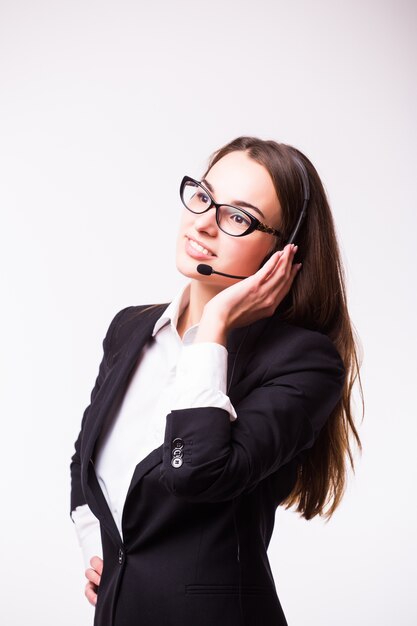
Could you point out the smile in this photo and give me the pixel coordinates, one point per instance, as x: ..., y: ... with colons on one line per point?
x: 198, y: 247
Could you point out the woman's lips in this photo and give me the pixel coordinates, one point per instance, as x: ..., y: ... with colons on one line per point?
x: 196, y: 254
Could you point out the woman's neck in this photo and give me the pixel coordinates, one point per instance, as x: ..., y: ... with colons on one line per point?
x: 200, y: 294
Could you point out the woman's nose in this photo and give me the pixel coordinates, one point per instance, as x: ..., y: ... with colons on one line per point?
x: 207, y: 222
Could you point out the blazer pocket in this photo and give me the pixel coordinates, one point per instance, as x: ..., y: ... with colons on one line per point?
x: 228, y: 590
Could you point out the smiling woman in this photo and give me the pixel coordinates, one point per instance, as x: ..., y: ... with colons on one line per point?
x: 213, y: 409
x: 237, y: 182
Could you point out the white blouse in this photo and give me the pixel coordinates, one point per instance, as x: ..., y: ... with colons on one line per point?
x: 170, y: 374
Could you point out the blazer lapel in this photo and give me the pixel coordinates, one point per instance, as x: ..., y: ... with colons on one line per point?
x: 117, y: 380
x: 106, y: 403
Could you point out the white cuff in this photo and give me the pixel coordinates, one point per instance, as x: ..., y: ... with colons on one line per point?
x: 201, y: 378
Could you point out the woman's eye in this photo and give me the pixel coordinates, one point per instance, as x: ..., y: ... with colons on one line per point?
x: 203, y: 198
x: 239, y: 219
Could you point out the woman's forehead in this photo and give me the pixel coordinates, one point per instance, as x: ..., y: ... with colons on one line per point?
x: 237, y: 177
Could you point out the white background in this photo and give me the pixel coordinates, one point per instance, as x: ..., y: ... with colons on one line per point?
x: 104, y: 107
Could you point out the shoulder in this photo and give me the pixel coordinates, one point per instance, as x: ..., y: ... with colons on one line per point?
x: 290, y: 348
x: 128, y: 320
x: 292, y: 364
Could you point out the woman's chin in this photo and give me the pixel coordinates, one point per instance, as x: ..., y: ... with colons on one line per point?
x: 188, y: 267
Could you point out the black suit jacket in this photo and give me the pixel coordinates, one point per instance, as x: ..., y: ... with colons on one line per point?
x: 196, y: 536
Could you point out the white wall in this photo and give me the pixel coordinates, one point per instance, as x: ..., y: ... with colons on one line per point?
x: 103, y: 108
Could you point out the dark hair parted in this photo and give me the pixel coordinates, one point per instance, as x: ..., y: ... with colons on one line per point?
x: 316, y: 300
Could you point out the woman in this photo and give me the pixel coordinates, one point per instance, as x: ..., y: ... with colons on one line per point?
x: 210, y: 412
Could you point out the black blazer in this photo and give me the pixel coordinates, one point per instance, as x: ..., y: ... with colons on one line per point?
x: 196, y: 534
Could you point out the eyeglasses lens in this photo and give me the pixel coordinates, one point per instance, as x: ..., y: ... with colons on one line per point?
x: 230, y: 219
x: 195, y: 198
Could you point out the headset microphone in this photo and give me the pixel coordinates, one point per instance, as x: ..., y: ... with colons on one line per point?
x: 207, y: 270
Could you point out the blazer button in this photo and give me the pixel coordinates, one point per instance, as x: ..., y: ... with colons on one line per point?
x: 176, y: 462
x: 178, y: 443
x: 177, y: 452
x: 121, y: 555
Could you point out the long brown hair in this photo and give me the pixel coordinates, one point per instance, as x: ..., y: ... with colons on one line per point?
x: 316, y: 300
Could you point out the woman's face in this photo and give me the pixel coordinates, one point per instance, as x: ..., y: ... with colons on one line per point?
x: 234, y: 178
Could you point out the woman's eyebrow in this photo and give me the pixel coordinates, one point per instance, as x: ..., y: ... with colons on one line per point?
x: 241, y: 203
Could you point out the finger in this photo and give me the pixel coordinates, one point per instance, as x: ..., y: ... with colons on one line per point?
x: 270, y: 266
x: 281, y: 261
x: 290, y: 252
x: 285, y: 280
x: 288, y: 260
x: 288, y: 249
x: 287, y: 253
x: 92, y: 576
x: 97, y: 564
x: 91, y: 594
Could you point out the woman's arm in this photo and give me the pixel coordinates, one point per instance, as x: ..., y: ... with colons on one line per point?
x: 87, y: 525
x: 77, y: 496
x: 87, y: 528
x: 202, y: 367
x: 301, y: 383
x: 276, y: 420
x: 201, y: 378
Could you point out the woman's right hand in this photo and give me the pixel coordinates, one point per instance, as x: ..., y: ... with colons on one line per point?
x: 93, y: 575
x: 249, y: 300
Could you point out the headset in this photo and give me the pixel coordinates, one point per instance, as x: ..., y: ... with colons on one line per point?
x: 306, y: 197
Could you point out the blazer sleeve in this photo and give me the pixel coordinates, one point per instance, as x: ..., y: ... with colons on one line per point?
x: 276, y: 420
x: 77, y: 496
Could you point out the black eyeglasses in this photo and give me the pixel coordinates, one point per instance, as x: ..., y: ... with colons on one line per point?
x: 231, y: 220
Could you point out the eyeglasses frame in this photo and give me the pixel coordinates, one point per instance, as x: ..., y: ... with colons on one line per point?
x: 255, y: 223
